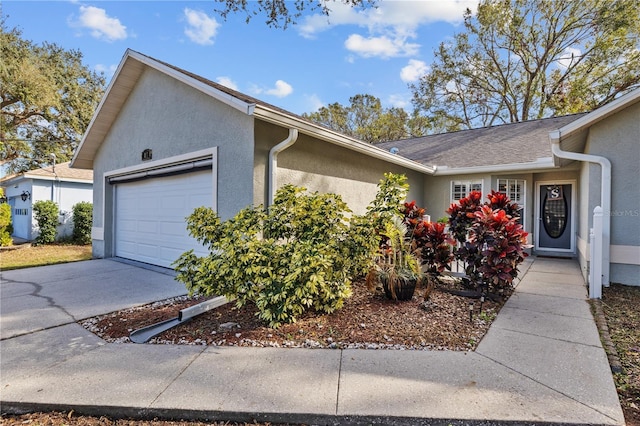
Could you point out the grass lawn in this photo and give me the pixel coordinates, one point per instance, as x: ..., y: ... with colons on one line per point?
x: 27, y: 256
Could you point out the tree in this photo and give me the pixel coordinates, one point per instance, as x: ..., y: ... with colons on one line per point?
x: 367, y: 120
x: 282, y: 13
x: 519, y: 60
x: 48, y: 99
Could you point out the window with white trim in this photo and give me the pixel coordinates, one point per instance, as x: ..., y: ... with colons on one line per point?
x: 515, y: 189
x: 460, y: 189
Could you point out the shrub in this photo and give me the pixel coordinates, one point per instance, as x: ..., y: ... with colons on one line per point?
x: 501, y: 241
x: 491, y: 242
x: 5, y: 223
x: 430, y: 239
x: 82, y: 222
x: 46, y: 213
x: 293, y: 257
x: 392, y: 193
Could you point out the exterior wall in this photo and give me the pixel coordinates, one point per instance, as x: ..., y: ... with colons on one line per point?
x: 22, y: 223
x: 171, y: 119
x: 437, y: 193
x: 618, y: 139
x: 323, y: 167
x: 66, y: 195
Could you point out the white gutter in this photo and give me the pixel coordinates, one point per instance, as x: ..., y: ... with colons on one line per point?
x: 273, y: 163
x: 539, y: 164
x: 605, y: 194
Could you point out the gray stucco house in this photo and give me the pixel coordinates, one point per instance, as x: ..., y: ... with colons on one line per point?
x: 164, y: 141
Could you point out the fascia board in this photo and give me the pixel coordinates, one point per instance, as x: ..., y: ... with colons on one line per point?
x: 336, y: 138
x: 540, y: 164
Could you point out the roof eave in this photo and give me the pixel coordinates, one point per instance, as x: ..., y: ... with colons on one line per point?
x: 540, y: 164
x: 291, y: 121
x: 83, y: 157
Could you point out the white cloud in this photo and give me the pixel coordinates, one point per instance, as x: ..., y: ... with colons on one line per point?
x: 226, y: 81
x: 383, y: 46
x: 401, y: 15
x: 413, y: 71
x: 280, y: 90
x: 389, y: 26
x: 101, y: 25
x: 569, y: 55
x: 200, y: 27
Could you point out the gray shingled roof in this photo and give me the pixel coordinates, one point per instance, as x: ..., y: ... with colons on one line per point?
x: 505, y: 144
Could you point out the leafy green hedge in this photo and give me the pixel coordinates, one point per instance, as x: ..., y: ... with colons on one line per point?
x: 46, y: 213
x: 82, y: 222
x: 299, y: 254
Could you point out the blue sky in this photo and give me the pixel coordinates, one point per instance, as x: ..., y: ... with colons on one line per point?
x: 317, y: 62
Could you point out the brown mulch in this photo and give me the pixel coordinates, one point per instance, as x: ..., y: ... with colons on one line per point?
x: 621, y: 306
x: 367, y: 320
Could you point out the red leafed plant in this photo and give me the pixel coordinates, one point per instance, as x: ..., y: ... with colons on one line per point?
x: 491, y: 242
x: 430, y: 239
x: 501, y: 241
x: 461, y: 215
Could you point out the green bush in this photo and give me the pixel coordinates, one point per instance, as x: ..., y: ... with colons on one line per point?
x: 295, y: 256
x: 5, y: 223
x: 46, y: 213
x: 82, y: 222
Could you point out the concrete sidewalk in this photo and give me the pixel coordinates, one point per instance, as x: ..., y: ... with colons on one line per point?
x: 541, y: 362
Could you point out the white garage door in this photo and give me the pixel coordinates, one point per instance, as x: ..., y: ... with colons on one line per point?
x: 150, y: 214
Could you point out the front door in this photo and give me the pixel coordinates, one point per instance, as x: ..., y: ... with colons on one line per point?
x: 555, y: 222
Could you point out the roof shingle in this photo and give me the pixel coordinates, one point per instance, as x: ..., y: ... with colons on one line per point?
x: 513, y: 143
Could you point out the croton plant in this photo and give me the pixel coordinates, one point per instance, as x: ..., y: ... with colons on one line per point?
x: 491, y: 241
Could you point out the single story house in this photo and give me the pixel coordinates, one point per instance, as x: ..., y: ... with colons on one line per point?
x: 164, y: 141
x: 59, y: 183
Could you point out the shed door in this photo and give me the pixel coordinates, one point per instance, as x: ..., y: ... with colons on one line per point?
x: 555, y: 217
x: 150, y: 214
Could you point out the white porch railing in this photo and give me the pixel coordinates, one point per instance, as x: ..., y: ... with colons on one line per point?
x: 595, y: 255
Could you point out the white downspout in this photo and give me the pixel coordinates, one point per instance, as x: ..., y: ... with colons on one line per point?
x: 273, y: 163
x: 605, y: 195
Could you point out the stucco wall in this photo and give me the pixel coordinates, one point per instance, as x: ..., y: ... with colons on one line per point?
x: 327, y: 168
x: 618, y: 139
x: 437, y: 191
x: 171, y: 118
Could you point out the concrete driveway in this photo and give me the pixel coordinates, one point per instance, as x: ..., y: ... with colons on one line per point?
x: 40, y: 298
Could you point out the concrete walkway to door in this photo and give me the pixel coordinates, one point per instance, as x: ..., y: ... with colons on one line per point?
x: 540, y: 363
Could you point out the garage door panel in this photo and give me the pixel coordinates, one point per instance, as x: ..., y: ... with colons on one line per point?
x: 150, y: 216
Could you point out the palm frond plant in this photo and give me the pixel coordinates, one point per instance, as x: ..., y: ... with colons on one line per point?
x: 397, y: 266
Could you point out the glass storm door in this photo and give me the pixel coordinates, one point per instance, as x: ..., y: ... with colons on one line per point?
x: 555, y: 217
